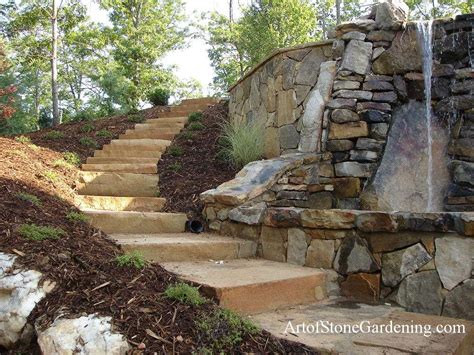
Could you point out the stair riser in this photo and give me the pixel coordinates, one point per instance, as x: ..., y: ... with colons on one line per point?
x: 136, y: 223
x: 191, y: 252
x: 200, y: 101
x: 117, y: 184
x: 122, y: 168
x: 164, y: 127
x: 111, y: 160
x: 177, y: 113
x: 171, y: 120
x: 141, y: 204
x: 148, y: 135
x: 127, y: 154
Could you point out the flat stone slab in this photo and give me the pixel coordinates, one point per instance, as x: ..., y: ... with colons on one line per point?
x: 251, y: 286
x: 352, y: 313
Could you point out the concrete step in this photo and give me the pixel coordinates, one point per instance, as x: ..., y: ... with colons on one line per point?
x: 165, y: 127
x: 343, y: 312
x: 122, y: 168
x: 159, y: 145
x: 251, y: 286
x: 148, y: 134
x: 120, y: 160
x: 178, y: 112
x: 117, y: 184
x: 127, y: 154
x: 115, y: 203
x: 201, y: 100
x: 187, y: 246
x: 125, y: 222
x: 179, y: 120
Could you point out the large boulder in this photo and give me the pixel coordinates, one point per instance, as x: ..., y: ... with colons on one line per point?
x: 20, y: 291
x: 85, y: 335
x: 354, y: 256
x: 390, y: 14
x: 459, y: 302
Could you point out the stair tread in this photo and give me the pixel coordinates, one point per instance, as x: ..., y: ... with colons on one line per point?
x: 174, y: 238
x: 131, y: 213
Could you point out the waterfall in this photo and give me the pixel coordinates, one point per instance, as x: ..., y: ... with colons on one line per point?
x: 425, y: 35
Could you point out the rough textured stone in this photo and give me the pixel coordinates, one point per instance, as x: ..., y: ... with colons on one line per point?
x: 348, y: 130
x: 390, y: 15
x: 354, y: 94
x: 271, y: 142
x: 289, y: 137
x: 286, y: 103
x: 283, y: 217
x: 388, y: 96
x: 354, y: 169
x: 320, y: 253
x: 357, y: 56
x: 369, y: 144
x: 346, y: 187
x: 84, y: 335
x: 421, y: 293
x: 274, y: 243
x: 454, y: 260
x: 377, y: 86
x: 248, y: 214
x: 20, y: 291
x: 379, y: 106
x: 381, y: 242
x: 360, y: 25
x: 374, y: 116
x: 378, y: 131
x: 339, y: 145
x: 381, y: 35
x: 330, y: 219
x: 239, y: 230
x: 346, y: 85
x: 463, y: 172
x: 363, y: 155
x: 342, y: 103
x: 377, y: 222
x: 296, y: 253
x: 308, y: 71
x: 401, y: 263
x: 459, y: 302
x: 354, y: 256
x: 362, y: 287
x: 354, y: 35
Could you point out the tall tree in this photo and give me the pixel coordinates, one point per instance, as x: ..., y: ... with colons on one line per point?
x: 6, y: 98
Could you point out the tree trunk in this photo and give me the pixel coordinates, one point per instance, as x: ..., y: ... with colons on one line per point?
x: 338, y: 12
x: 231, y: 11
x: 54, y: 69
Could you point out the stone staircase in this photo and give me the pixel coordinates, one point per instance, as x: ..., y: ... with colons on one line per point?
x: 118, y: 191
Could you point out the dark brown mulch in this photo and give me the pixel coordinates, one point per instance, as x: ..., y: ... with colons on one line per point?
x: 82, y: 263
x: 72, y: 132
x: 200, y: 169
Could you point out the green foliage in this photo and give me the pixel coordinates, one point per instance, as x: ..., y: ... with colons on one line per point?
x: 175, y: 167
x: 29, y: 198
x: 23, y: 139
x: 54, y: 135
x: 74, y: 216
x: 87, y: 128
x: 51, y: 176
x: 159, y: 97
x: 184, y: 293
x: 61, y: 163
x: 195, y: 117
x: 243, y: 142
x: 196, y: 126
x: 223, y: 329
x: 88, y: 142
x: 72, y: 158
x: 133, y: 259
x: 176, y: 150
x: 136, y: 118
x: 186, y: 135
x: 104, y: 133
x: 38, y: 233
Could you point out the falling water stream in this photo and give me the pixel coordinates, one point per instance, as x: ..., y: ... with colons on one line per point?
x: 425, y: 35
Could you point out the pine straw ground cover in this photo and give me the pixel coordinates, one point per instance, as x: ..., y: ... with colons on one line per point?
x: 34, y: 189
x: 192, y: 164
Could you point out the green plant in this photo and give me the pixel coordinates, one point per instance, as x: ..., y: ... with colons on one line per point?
x: 243, y: 142
x: 23, y: 139
x: 159, y: 97
x: 184, y: 293
x: 88, y: 142
x: 196, y: 126
x: 136, y: 118
x: 72, y: 158
x: 133, y: 259
x: 104, y: 133
x: 50, y: 175
x: 158, y: 193
x: 61, y: 163
x: 87, y: 128
x: 74, y: 216
x: 176, y: 150
x: 195, y: 117
x: 186, y: 135
x: 223, y: 329
x: 35, y: 232
x: 29, y: 198
x: 175, y: 167
x: 54, y: 135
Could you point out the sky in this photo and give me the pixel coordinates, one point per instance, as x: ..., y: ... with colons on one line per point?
x: 191, y: 62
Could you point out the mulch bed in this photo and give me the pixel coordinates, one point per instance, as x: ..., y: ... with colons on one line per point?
x: 82, y: 263
x: 200, y: 169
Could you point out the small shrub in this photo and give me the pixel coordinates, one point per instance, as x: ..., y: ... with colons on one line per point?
x: 54, y: 135
x: 87, y: 128
x: 196, y: 126
x: 159, y: 97
x: 184, y: 293
x: 51, y: 176
x: 195, y: 117
x: 61, y: 163
x: 136, y: 118
x: 133, y: 259
x: 74, y: 216
x: 176, y: 150
x: 104, y: 133
x: 29, y: 198
x: 223, y: 329
x: 23, y: 139
x: 88, y: 142
x: 158, y: 193
x: 244, y: 142
x: 72, y: 158
x: 186, y: 135
x: 175, y: 167
x: 34, y: 232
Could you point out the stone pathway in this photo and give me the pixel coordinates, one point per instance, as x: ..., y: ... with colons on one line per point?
x: 118, y: 191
